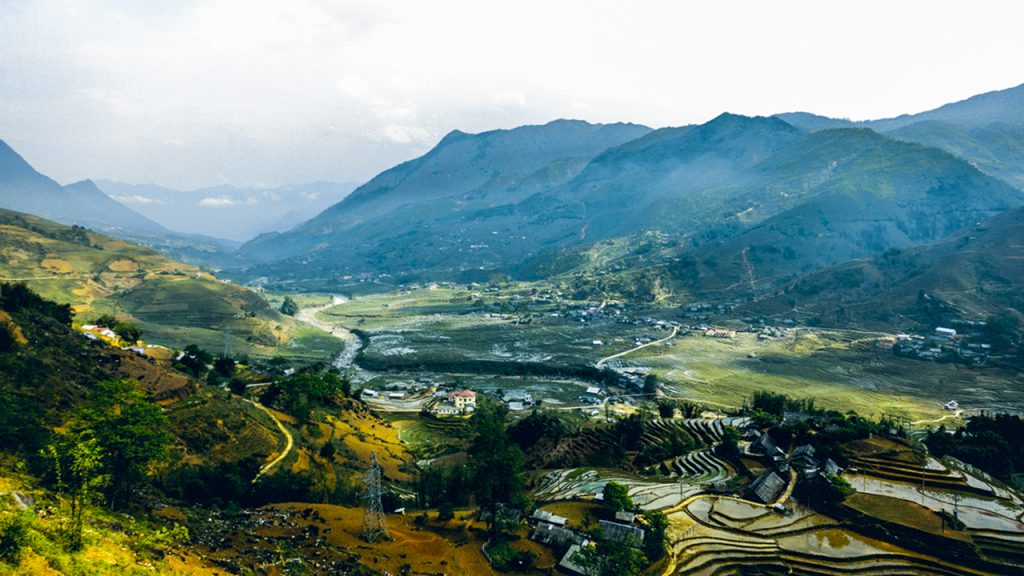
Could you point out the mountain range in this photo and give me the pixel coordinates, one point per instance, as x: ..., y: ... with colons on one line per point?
x: 746, y: 204
x: 236, y: 214
x: 740, y: 207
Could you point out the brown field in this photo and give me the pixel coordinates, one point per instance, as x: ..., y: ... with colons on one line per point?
x: 425, y: 551
x: 902, y: 512
x: 123, y: 265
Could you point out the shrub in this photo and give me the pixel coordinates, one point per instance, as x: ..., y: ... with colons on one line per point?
x: 13, y: 537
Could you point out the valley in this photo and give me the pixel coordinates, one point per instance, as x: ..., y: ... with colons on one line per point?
x: 749, y: 345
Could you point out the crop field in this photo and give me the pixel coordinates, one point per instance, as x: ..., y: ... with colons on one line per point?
x: 836, y: 370
x: 447, y: 327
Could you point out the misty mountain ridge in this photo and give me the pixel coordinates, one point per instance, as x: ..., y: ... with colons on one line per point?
x: 234, y: 213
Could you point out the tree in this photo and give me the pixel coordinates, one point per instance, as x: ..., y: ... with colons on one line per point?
x: 496, y: 463
x: 655, y: 541
x: 194, y: 360
x: 76, y: 463
x: 616, y: 497
x: 289, y: 306
x: 128, y: 332
x: 130, y: 431
x: 225, y: 366
x: 650, y: 384
x: 610, y: 559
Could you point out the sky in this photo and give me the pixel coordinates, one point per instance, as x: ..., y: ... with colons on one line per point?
x: 199, y: 93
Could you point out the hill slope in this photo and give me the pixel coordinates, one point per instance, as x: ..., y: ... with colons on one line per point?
x: 175, y: 304
x: 976, y: 273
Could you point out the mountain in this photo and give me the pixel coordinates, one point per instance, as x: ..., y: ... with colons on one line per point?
x: 986, y: 130
x: 751, y: 202
x: 446, y: 205
x: 971, y: 274
x: 238, y: 214
x: 174, y: 303
x: 24, y: 189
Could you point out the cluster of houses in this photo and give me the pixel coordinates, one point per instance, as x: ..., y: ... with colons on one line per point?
x: 552, y: 531
x: 943, y: 344
x: 772, y: 483
x: 104, y: 334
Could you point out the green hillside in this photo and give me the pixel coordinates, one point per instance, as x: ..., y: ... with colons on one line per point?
x: 175, y: 304
x: 970, y: 276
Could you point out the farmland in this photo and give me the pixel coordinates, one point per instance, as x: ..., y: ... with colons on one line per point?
x: 502, y: 332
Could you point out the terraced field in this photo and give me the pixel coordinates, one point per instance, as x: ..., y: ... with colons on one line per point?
x: 718, y: 535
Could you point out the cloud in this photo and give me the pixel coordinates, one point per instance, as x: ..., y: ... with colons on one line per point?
x: 138, y: 199
x: 404, y: 134
x: 218, y: 201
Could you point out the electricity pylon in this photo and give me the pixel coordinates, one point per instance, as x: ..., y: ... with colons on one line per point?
x: 375, y: 525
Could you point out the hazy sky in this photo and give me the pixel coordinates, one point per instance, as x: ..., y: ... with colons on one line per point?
x: 252, y: 92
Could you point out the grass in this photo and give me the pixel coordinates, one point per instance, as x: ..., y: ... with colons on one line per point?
x: 832, y: 369
x: 115, y: 544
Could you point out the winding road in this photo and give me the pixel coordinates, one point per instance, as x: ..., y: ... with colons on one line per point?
x: 602, y: 361
x: 288, y: 445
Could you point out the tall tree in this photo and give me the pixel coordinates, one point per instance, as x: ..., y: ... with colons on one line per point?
x: 131, y: 431
x: 496, y: 463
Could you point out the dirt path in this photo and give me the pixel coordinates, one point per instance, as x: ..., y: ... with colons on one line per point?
x: 602, y: 361
x: 352, y: 344
x: 288, y: 445
x: 937, y: 420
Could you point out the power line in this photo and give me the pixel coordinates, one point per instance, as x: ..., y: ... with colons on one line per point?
x: 375, y: 526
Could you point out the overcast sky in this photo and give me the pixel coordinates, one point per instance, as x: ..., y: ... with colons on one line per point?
x: 254, y: 92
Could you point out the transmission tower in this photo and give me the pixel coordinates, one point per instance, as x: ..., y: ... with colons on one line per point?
x: 227, y: 343
x: 375, y: 526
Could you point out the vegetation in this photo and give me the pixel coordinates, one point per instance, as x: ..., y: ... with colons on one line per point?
x: 991, y: 442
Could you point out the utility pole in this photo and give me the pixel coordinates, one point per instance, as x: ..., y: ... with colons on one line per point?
x: 375, y: 526
x: 227, y: 343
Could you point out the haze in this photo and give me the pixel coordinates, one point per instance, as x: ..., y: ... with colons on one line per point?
x: 259, y: 93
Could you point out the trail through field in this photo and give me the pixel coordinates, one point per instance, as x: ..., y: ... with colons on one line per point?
x: 352, y: 344
x: 937, y: 420
x: 289, y: 441
x: 602, y: 361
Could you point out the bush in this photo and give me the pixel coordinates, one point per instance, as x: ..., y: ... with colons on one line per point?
x: 13, y: 537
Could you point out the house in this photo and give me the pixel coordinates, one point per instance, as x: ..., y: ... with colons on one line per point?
x: 545, y: 516
x: 831, y: 468
x: 951, y: 405
x: 516, y: 406
x: 622, y: 533
x: 767, y: 487
x: 593, y: 391
x: 370, y: 393
x: 597, y: 343
x: 765, y: 445
x: 555, y: 536
x: 396, y: 395
x: 719, y: 333
x: 947, y: 333
x: 780, y: 463
x: 446, y: 409
x: 624, y: 516
x: 463, y: 399
x: 803, y: 456
x: 567, y: 564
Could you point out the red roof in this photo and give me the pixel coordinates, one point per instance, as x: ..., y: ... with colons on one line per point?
x: 464, y: 393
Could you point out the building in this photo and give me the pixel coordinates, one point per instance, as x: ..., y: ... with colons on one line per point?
x: 947, y: 333
x: 803, y: 456
x: 568, y: 565
x: 767, y: 488
x: 622, y: 533
x: 545, y: 516
x: 624, y: 516
x: 464, y: 400
x: 555, y: 536
x: 719, y: 333
x: 445, y: 409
